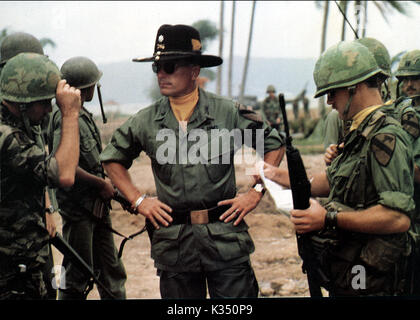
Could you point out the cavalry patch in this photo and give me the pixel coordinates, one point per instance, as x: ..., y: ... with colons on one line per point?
x: 410, y: 123
x: 383, y: 145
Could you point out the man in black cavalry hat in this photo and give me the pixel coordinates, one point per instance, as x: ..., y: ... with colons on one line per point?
x: 199, y: 238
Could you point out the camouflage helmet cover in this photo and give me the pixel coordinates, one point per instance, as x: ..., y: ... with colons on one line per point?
x: 409, y: 64
x: 16, y: 43
x: 29, y: 77
x: 80, y: 72
x: 343, y: 65
x: 380, y: 53
x: 270, y: 88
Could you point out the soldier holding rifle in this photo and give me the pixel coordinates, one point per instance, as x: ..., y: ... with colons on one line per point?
x: 362, y: 230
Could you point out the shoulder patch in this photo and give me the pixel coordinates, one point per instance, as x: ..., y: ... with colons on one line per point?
x: 249, y: 113
x: 382, y: 146
x: 410, y: 123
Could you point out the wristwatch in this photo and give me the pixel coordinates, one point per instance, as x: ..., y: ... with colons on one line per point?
x: 330, y: 223
x: 49, y: 210
x: 259, y: 188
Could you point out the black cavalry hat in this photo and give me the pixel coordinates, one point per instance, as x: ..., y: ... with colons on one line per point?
x: 178, y: 42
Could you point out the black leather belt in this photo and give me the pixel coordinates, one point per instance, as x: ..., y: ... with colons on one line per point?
x: 198, y: 216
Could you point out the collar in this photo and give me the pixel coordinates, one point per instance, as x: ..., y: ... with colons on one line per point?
x: 199, y: 115
x: 361, y: 115
x: 184, y: 106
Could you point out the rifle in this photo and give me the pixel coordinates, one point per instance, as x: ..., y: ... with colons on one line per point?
x: 98, y: 87
x: 62, y: 246
x: 126, y: 206
x: 301, y: 192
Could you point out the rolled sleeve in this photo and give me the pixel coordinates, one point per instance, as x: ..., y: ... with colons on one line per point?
x: 124, y: 146
x: 397, y: 200
x: 394, y: 181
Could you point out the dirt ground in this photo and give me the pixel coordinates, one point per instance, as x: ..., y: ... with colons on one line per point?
x: 275, y: 260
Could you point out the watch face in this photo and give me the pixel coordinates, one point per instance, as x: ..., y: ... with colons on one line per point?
x: 258, y: 187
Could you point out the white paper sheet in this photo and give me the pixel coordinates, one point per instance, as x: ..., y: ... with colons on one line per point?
x: 281, y: 196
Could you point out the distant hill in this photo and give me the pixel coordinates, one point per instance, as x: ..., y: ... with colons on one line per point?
x: 129, y: 82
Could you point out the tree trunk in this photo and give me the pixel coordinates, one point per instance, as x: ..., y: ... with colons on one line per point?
x: 321, y: 100
x: 343, y: 5
x: 219, y: 68
x: 241, y: 95
x: 357, y: 7
x: 365, y: 3
x: 232, y: 29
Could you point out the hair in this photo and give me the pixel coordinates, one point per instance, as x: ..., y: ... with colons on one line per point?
x: 375, y: 82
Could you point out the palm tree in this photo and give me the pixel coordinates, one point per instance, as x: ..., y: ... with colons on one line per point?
x: 343, y: 5
x: 251, y: 27
x: 321, y: 100
x: 232, y: 29
x: 384, y: 7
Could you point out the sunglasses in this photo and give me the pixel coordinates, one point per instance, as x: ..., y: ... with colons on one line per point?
x: 169, y: 67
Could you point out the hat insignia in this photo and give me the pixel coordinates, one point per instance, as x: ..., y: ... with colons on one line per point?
x: 160, y: 39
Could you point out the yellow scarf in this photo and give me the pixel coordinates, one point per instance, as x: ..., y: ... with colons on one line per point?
x: 361, y: 115
x: 183, y: 107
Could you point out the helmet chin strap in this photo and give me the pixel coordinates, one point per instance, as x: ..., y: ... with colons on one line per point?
x: 23, y: 108
x: 352, y: 91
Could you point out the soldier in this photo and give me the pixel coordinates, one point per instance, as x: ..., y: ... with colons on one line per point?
x: 84, y: 207
x: 408, y: 73
x: 362, y: 230
x: 271, y: 108
x: 399, y: 109
x: 198, y: 235
x: 28, y: 82
x: 12, y: 45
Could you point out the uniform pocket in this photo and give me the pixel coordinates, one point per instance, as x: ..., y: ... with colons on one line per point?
x: 165, y: 245
x: 231, y: 242
x: 163, y: 160
x: 383, y: 254
x: 89, y: 154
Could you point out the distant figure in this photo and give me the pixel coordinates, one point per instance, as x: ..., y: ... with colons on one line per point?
x: 271, y: 108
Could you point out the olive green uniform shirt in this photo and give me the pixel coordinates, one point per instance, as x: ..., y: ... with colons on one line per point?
x: 192, y: 186
x: 375, y: 167
x: 78, y: 201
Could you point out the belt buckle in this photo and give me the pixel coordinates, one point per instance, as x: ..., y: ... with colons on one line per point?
x: 199, y: 216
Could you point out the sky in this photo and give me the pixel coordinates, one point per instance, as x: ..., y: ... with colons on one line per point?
x: 111, y: 31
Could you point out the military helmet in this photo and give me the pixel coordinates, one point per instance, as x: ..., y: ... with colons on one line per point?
x: 380, y: 53
x: 270, y: 88
x: 343, y: 65
x: 16, y: 43
x: 409, y: 64
x: 80, y: 72
x: 29, y: 77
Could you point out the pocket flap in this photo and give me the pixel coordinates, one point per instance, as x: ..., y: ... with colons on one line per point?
x: 170, y: 233
x: 223, y: 228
